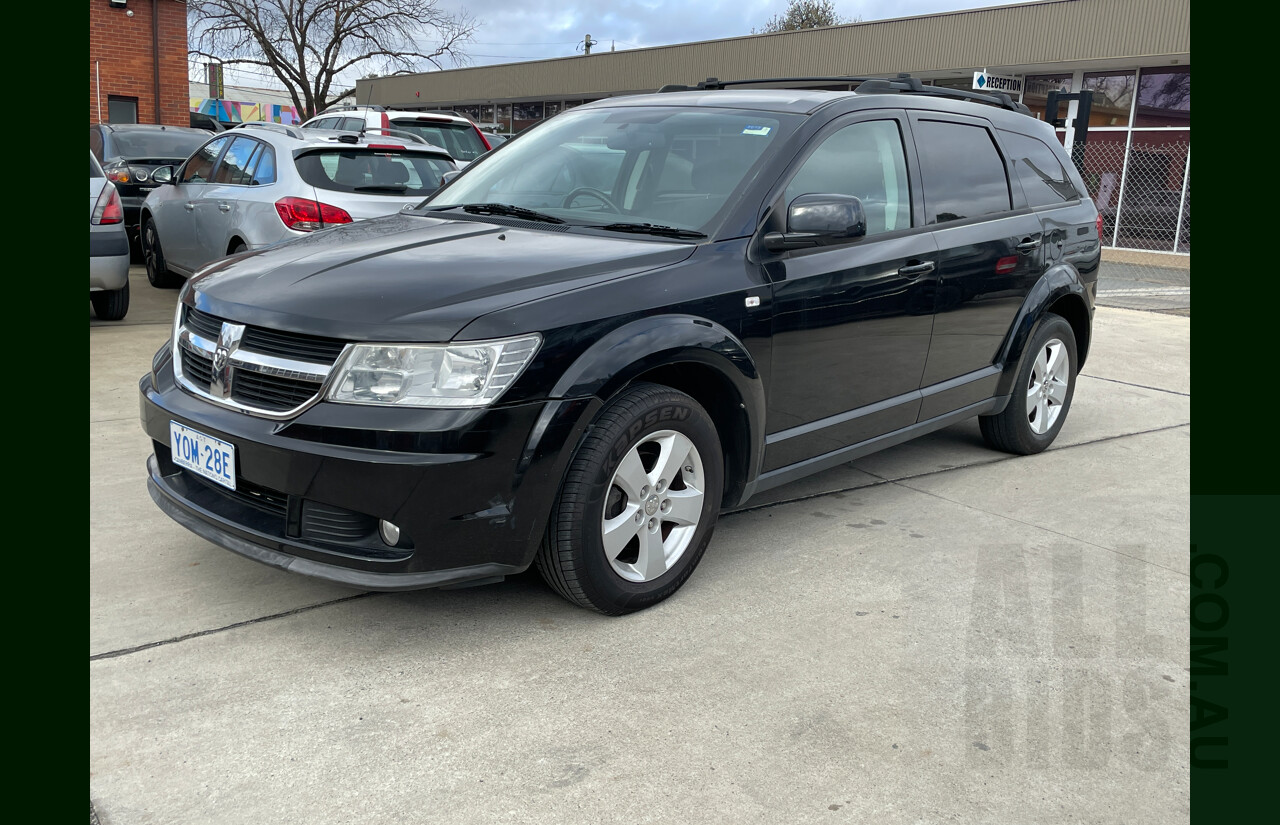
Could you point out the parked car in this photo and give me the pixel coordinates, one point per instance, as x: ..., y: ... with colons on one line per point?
x: 1151, y: 217
x: 108, y: 247
x: 581, y: 349
x: 131, y: 152
x: 260, y: 184
x: 457, y: 135
x: 200, y: 120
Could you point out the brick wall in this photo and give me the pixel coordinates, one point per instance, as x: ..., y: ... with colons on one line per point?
x: 121, y: 47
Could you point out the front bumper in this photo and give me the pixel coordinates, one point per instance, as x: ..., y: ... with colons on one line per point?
x: 471, y: 490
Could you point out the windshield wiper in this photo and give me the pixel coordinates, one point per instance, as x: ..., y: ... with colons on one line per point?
x: 382, y: 188
x: 652, y: 229
x: 504, y: 209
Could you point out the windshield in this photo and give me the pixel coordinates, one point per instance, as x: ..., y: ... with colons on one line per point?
x: 155, y: 144
x: 666, y: 166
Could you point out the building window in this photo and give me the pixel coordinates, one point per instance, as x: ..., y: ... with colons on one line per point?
x: 1112, y: 97
x: 1035, y: 92
x: 1164, y: 97
x: 122, y: 109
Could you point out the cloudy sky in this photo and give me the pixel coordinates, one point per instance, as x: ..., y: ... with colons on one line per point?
x: 515, y: 30
x: 535, y: 29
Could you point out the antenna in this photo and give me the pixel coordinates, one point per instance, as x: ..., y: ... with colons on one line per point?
x: 364, y: 120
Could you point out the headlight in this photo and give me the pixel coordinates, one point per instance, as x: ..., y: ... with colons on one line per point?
x: 471, y: 374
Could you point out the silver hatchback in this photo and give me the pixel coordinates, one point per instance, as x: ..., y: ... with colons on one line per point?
x: 261, y: 184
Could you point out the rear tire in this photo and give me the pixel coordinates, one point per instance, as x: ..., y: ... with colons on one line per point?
x: 153, y: 256
x: 112, y: 305
x: 1042, y: 392
x: 638, y: 504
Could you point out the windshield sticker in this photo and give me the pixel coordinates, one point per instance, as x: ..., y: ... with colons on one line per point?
x: 757, y: 130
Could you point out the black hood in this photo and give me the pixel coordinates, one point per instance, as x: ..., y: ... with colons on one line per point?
x: 414, y: 278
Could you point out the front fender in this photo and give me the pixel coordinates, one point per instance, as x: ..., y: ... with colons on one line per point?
x: 1058, y: 282
x: 712, y: 365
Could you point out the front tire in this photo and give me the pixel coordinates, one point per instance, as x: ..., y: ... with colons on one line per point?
x: 1042, y: 393
x: 638, y: 504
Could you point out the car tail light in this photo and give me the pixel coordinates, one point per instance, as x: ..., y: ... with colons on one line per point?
x: 306, y: 215
x: 109, y: 208
x: 384, y: 146
x: 483, y: 139
x: 1099, y: 222
x: 118, y: 173
x: 386, y: 121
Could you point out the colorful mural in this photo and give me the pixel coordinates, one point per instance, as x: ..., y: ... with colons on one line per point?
x: 237, y: 111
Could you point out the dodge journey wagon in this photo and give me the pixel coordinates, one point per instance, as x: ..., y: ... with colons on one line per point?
x: 580, y: 350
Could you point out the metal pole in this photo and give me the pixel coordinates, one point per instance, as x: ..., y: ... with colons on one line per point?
x: 1182, y: 202
x: 1124, y: 173
x: 97, y: 70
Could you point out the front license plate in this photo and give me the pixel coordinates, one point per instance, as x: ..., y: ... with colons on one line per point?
x: 203, y: 454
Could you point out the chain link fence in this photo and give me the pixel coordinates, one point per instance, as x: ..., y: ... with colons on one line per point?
x: 1141, y: 183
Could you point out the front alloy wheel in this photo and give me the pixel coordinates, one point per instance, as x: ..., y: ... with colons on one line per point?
x: 654, y: 506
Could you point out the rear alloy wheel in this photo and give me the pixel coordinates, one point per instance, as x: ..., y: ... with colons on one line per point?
x: 110, y: 305
x: 153, y: 256
x: 638, y: 505
x: 1042, y: 393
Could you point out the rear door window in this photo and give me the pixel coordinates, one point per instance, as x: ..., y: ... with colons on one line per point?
x: 235, y: 166
x: 381, y: 171
x: 964, y: 174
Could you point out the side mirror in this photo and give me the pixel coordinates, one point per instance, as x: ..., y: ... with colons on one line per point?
x: 448, y: 177
x: 163, y: 175
x: 819, y: 220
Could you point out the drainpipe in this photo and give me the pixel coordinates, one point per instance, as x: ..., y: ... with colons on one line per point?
x: 155, y: 53
x: 97, y: 71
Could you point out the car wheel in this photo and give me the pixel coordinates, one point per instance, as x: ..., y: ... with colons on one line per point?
x: 1042, y: 393
x: 638, y: 504
x: 239, y: 247
x: 153, y: 256
x: 110, y: 305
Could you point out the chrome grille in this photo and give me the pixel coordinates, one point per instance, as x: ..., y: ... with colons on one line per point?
x: 259, y: 371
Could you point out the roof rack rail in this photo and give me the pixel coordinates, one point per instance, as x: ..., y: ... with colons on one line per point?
x: 716, y: 84
x: 906, y: 83
x: 867, y: 85
x: 400, y: 133
x: 291, y: 131
x: 350, y: 107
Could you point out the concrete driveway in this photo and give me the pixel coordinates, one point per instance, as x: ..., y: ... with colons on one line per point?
x: 936, y: 633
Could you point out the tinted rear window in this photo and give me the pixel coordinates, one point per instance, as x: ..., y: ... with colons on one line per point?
x: 373, y: 172
x: 154, y: 144
x: 460, y: 140
x: 964, y: 175
x: 94, y: 170
x: 1044, y: 180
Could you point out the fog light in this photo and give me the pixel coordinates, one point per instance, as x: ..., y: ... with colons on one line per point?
x: 389, y: 532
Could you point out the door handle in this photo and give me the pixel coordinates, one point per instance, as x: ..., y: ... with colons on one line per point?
x: 1028, y: 245
x: 916, y: 270
x: 190, y: 207
x: 224, y: 207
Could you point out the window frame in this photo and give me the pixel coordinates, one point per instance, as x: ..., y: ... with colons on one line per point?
x: 1017, y: 200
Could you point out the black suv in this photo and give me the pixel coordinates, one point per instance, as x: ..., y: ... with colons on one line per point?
x: 580, y: 350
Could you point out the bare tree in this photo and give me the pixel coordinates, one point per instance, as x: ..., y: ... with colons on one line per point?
x: 804, y: 14
x: 307, y: 44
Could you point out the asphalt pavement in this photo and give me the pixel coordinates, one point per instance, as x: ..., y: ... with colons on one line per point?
x: 935, y: 633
